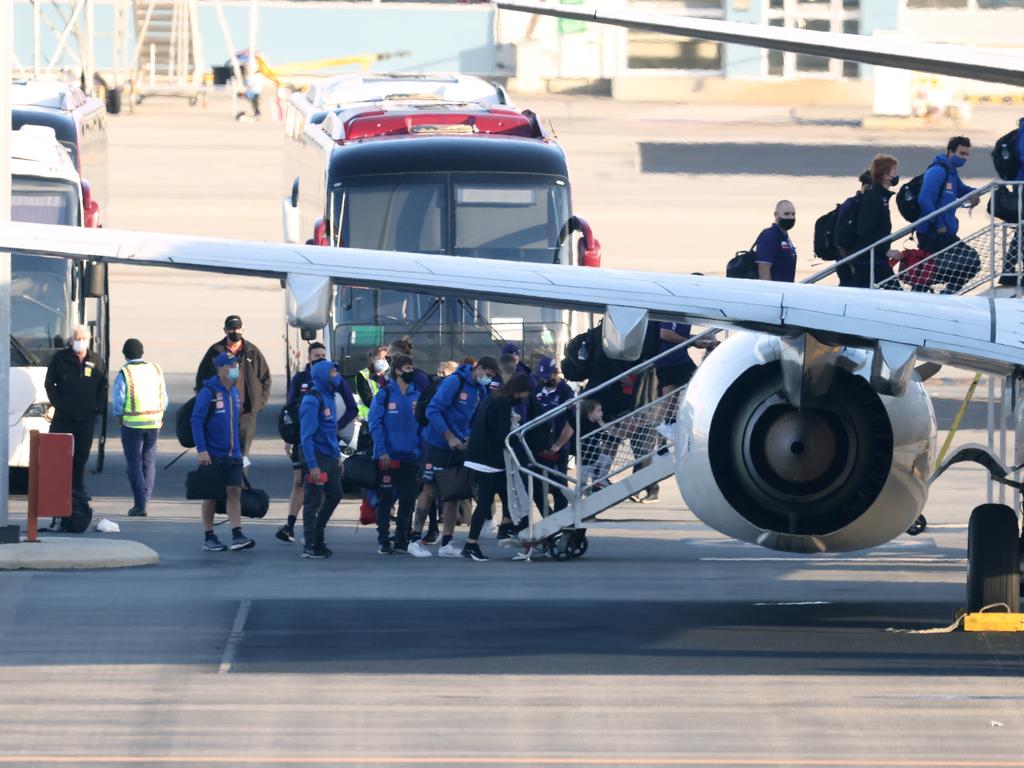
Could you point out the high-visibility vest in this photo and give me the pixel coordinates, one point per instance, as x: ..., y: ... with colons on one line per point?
x: 144, y: 396
x: 364, y: 410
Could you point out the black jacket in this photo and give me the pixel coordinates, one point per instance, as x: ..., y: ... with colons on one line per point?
x: 77, y: 391
x: 873, y: 222
x: 491, y: 425
x: 253, y: 376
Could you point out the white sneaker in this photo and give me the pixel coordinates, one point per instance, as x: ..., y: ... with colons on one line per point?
x: 667, y: 431
x: 418, y: 550
x: 450, y: 550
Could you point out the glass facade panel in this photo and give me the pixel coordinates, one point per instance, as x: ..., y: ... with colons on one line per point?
x: 805, y: 63
x: 647, y: 51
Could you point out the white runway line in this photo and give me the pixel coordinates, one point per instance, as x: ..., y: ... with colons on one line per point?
x: 824, y: 560
x: 235, y: 638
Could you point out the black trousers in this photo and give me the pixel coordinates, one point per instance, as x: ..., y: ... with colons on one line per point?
x: 83, y: 433
x: 246, y: 431
x: 539, y: 491
x: 488, y: 484
x: 401, y: 483
x: 320, y: 501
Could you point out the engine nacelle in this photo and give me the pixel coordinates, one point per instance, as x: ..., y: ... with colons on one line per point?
x: 846, y: 471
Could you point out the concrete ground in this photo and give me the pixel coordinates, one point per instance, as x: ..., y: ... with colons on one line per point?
x: 666, y: 645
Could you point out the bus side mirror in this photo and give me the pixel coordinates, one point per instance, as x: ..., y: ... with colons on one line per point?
x: 95, y: 280
x: 588, y: 247
x: 90, y: 208
x: 295, y: 193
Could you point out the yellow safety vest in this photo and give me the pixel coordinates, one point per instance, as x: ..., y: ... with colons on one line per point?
x: 363, y: 411
x: 144, y: 397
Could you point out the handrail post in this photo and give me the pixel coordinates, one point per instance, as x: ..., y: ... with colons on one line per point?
x: 992, y: 247
x: 579, y: 458
x: 871, y: 260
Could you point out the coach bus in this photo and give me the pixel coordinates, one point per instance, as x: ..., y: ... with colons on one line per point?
x: 49, y: 295
x: 418, y: 172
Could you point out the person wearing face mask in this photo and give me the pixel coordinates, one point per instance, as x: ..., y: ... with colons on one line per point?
x: 485, y: 455
x: 873, y: 223
x: 396, y: 447
x: 776, y: 254
x: 253, y: 378
x: 76, y: 385
x: 218, y: 444
x: 941, y: 186
x: 449, y: 415
x: 368, y: 381
x: 404, y: 347
x: 318, y: 427
x: 551, y: 391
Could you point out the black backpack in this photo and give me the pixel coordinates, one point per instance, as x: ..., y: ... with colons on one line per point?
x: 288, y: 426
x: 846, y: 223
x: 906, y: 198
x: 1005, y: 156
x: 577, y: 364
x: 825, y: 235
x: 81, y: 515
x: 743, y: 264
x: 183, y: 421
x: 426, y: 397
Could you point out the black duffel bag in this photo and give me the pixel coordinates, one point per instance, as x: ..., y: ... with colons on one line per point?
x: 454, y: 483
x: 361, y: 469
x: 255, y: 502
x: 206, y: 482
x: 1003, y: 204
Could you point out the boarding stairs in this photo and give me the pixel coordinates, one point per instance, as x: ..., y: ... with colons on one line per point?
x: 168, y: 49
x: 643, y: 455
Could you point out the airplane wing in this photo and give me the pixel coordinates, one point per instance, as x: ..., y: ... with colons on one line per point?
x: 971, y: 332
x: 888, y: 51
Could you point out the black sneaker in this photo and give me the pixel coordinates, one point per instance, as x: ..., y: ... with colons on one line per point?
x: 472, y: 552
x: 137, y: 512
x: 506, y: 531
x: 213, y: 544
x: 315, y: 551
x: 400, y: 547
x: 433, y: 534
x: 384, y: 548
x: 241, y: 541
x: 285, y: 534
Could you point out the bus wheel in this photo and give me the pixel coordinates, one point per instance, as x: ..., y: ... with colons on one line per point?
x: 993, y: 558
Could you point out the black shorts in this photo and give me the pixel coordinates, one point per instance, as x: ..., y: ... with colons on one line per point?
x: 230, y: 470
x: 298, y: 462
x: 437, y: 458
x: 674, y: 375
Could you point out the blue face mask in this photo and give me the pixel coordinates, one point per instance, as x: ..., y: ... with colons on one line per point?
x: 958, y: 162
x: 233, y: 374
x: 484, y: 381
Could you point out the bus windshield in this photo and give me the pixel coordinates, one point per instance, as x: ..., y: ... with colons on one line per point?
x: 510, y: 217
x: 41, y: 312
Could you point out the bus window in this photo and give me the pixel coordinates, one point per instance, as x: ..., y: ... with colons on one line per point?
x: 399, y: 214
x: 41, y: 315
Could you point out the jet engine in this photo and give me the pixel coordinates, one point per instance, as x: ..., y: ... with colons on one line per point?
x: 804, y: 459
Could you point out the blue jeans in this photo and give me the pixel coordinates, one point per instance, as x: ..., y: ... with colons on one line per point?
x: 140, y: 452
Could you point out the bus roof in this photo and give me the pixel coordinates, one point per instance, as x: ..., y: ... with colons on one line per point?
x: 428, y: 153
x: 35, y: 151
x: 361, y: 87
x: 48, y: 94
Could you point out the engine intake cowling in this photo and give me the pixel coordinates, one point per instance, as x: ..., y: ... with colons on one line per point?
x: 847, y: 470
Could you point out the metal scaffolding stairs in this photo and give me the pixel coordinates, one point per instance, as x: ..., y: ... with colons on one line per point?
x: 168, y: 48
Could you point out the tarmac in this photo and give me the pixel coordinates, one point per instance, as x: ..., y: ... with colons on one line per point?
x: 667, y: 644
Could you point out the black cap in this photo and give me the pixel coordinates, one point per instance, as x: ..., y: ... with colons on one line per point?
x: 232, y: 322
x: 132, y: 349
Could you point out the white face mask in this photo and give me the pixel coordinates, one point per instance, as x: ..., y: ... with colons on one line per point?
x: 381, y: 366
x: 80, y: 345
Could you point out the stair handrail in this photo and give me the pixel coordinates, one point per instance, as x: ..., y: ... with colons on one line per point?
x: 903, y: 232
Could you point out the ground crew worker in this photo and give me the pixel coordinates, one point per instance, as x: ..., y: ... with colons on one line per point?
x: 253, y: 380
x: 140, y: 399
x: 776, y: 254
x: 396, y: 447
x: 76, y: 385
x: 215, y: 430
x: 369, y: 379
x: 318, y: 426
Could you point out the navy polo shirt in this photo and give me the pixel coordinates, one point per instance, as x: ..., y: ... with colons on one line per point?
x: 680, y: 357
x: 775, y: 248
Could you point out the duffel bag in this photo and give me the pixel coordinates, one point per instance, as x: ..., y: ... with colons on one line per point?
x: 255, y: 502
x: 454, y: 483
x: 206, y: 482
x: 360, y: 469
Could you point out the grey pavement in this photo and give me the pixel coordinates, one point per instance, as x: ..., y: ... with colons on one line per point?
x: 667, y: 644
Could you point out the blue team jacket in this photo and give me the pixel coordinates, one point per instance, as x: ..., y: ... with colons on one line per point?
x: 941, y: 186
x: 393, y: 424
x: 318, y: 419
x: 218, y: 434
x: 452, y: 407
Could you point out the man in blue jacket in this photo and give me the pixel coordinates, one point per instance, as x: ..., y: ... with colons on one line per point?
x: 215, y: 432
x: 450, y: 414
x: 941, y: 186
x: 318, y: 430
x: 396, y: 447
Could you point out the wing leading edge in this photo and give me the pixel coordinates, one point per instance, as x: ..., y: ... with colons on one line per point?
x: 898, y: 53
x: 978, y: 333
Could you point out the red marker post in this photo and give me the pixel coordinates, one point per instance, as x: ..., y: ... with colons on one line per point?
x: 49, y: 477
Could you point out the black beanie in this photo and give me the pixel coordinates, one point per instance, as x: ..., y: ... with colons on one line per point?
x: 132, y: 349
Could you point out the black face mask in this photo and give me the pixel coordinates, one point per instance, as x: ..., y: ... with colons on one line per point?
x: 787, y: 224
x: 551, y: 383
x: 895, y: 181
x: 234, y: 336
x: 407, y: 376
